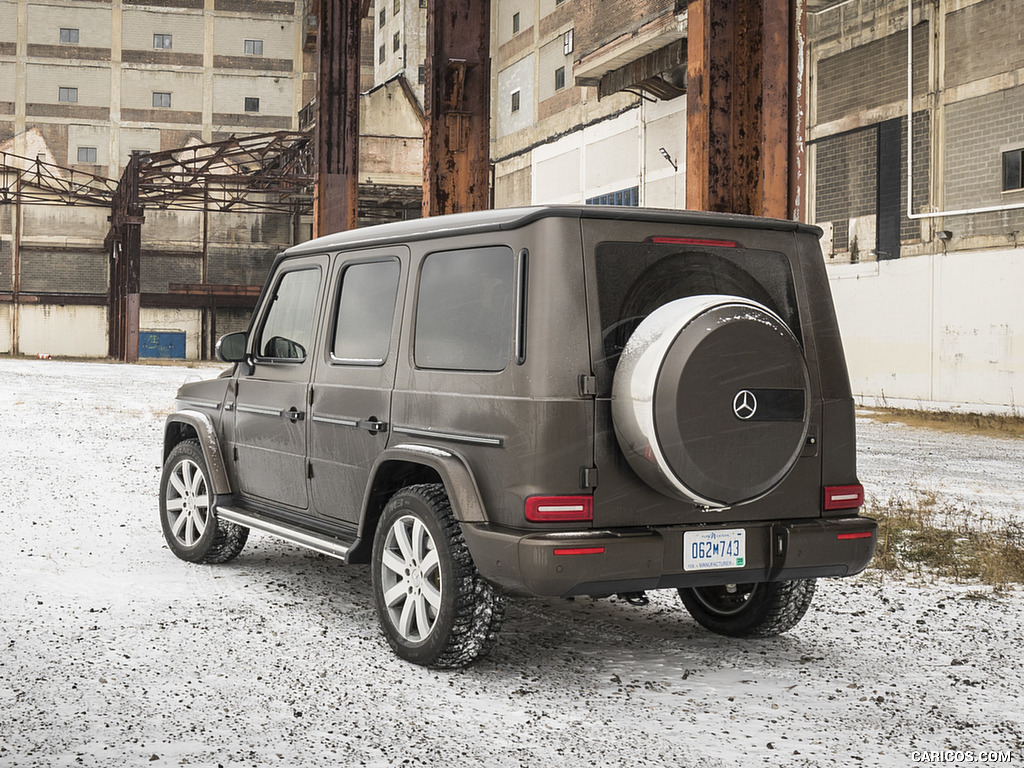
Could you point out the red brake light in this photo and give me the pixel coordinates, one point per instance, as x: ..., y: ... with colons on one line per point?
x: 844, y: 496
x: 560, y: 509
x: 694, y: 241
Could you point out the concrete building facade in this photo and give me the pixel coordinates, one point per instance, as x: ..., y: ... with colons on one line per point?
x: 928, y: 289
x: 568, y: 127
x: 400, y: 42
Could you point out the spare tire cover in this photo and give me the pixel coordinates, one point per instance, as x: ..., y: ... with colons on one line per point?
x: 710, y: 400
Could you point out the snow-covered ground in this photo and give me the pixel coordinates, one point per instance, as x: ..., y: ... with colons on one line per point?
x: 115, y: 653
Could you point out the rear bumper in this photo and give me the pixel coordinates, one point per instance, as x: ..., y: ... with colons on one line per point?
x: 631, y: 560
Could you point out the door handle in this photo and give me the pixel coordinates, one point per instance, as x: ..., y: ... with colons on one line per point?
x: 295, y: 415
x: 373, y: 425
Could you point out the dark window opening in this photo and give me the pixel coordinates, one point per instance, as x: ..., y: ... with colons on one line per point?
x: 515, y: 101
x: 69, y: 95
x: 1013, y: 170
x: 161, y: 99
x: 515, y: 23
x: 68, y: 35
x: 254, y: 47
x: 162, y: 41
x: 252, y: 104
x: 630, y: 196
x: 87, y: 154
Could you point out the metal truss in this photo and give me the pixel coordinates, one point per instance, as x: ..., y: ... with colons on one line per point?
x: 269, y: 172
x: 35, y: 182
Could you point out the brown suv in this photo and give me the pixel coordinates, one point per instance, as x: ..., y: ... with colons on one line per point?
x: 549, y: 401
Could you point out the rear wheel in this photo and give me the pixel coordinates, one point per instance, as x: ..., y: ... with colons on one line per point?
x: 434, y: 607
x: 188, y: 513
x: 749, y: 610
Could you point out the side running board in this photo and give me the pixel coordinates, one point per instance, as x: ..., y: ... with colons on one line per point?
x: 325, y: 545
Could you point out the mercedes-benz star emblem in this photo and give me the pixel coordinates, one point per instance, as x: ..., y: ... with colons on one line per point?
x: 744, y: 405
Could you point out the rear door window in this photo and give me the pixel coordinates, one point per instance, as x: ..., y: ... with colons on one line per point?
x: 365, y: 313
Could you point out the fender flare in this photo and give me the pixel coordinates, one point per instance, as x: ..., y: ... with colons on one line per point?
x: 458, y: 480
x: 178, y: 423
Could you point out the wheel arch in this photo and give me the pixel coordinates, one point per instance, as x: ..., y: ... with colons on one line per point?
x: 195, y: 425
x: 406, y: 465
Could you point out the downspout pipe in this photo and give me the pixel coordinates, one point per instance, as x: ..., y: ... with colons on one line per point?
x: 910, y: 142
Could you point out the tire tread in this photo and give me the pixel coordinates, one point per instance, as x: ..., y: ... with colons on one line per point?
x: 479, y: 609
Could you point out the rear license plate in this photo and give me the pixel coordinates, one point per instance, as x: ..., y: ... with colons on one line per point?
x: 714, y: 550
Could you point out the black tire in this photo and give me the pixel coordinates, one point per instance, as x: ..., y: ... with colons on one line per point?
x: 750, y: 610
x: 434, y: 607
x: 188, y: 510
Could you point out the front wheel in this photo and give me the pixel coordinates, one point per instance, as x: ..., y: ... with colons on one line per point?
x: 188, y: 510
x: 759, y: 609
x: 434, y: 607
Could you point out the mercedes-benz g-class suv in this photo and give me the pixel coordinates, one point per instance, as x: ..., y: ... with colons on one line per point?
x: 549, y: 401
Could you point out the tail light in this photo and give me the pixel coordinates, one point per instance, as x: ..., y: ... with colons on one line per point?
x: 844, y: 496
x: 560, y: 509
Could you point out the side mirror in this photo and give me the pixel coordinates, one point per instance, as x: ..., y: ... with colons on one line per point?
x: 231, y: 348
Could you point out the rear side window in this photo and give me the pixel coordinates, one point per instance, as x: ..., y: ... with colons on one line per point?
x: 288, y: 329
x: 634, y: 279
x: 365, y: 313
x: 464, y: 319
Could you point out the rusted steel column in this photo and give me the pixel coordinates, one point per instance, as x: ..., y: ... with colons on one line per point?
x: 738, y: 124
x: 124, y: 243
x: 335, y: 195
x: 456, y: 142
x: 797, y: 112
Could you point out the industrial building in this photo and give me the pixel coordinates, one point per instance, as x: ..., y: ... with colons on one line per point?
x: 588, y: 103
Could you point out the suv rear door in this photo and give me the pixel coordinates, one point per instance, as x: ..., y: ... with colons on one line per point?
x: 350, y: 401
x: 635, y: 267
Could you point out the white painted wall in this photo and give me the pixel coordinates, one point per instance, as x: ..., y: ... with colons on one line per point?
x: 617, y: 154
x: 5, y: 329
x: 61, y: 330
x: 77, y: 331
x: 944, y: 328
